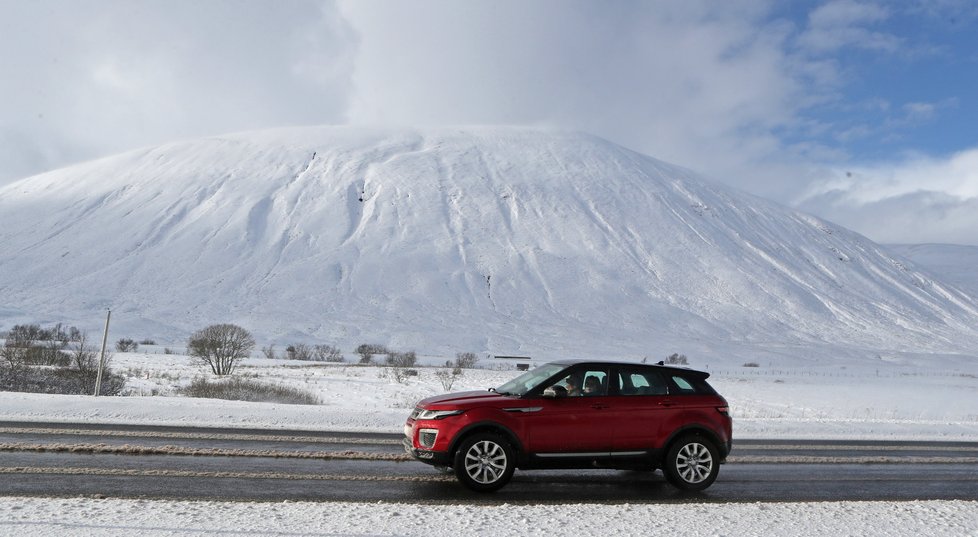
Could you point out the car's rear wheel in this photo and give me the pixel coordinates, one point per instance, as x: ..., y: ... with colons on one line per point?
x: 484, y: 462
x: 692, y: 463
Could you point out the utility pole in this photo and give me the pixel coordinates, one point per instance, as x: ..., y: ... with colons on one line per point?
x: 101, y: 356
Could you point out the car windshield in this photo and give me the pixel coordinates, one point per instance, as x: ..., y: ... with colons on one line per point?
x: 529, y: 380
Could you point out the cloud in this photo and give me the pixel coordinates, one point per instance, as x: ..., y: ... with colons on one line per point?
x: 919, y: 199
x: 843, y: 23
x: 672, y: 80
x: 107, y: 76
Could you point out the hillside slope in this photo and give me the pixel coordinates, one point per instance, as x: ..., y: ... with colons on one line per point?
x: 956, y: 264
x: 504, y: 240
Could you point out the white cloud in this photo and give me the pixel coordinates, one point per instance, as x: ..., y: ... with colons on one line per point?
x: 843, y: 23
x: 106, y: 76
x: 920, y: 199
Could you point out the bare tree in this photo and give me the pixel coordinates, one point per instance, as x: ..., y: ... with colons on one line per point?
x: 220, y: 346
x: 677, y: 359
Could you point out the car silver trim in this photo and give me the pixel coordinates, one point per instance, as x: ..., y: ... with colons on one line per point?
x: 591, y: 454
x: 524, y: 409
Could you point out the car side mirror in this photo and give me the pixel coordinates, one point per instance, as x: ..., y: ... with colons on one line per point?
x: 555, y: 392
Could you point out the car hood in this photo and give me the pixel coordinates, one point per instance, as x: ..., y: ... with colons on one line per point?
x: 464, y: 399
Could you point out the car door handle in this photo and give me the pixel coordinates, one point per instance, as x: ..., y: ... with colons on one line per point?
x: 667, y: 403
x: 599, y: 406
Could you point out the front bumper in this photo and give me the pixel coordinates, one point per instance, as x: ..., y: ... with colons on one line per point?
x: 434, y: 458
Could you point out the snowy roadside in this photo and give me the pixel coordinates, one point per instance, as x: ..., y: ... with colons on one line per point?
x: 181, y: 411
x: 115, y: 517
x: 911, y: 404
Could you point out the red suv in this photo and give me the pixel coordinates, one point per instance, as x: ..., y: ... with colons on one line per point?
x: 571, y: 414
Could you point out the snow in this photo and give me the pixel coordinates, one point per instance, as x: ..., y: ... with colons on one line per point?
x: 112, y: 517
x: 954, y: 263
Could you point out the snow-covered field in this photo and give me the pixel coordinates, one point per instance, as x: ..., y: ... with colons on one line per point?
x: 891, y: 400
x: 895, y: 401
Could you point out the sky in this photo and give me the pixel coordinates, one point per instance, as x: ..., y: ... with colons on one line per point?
x: 861, y: 112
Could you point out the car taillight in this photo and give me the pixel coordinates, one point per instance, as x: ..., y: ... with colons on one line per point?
x: 725, y: 410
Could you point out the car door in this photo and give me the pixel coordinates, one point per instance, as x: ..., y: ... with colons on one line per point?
x: 574, y: 424
x: 644, y: 411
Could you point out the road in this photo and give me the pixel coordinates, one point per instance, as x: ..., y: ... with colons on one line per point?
x: 237, y: 464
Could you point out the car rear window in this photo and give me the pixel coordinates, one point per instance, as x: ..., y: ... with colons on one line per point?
x: 689, y: 385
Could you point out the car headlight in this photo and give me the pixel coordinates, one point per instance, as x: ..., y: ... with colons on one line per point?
x: 437, y: 414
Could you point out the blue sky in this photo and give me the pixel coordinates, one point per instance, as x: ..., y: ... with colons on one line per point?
x: 907, y: 76
x: 861, y: 112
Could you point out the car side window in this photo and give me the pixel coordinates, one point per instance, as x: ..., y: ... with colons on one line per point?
x: 586, y: 382
x: 641, y: 382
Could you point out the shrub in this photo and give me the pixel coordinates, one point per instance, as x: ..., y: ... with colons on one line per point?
x: 298, y: 351
x: 269, y: 352
x: 368, y: 350
x: 147, y: 342
x: 448, y: 377
x: 465, y: 360
x: 74, y: 374
x: 30, y: 344
x: 677, y: 359
x: 399, y: 364
x: 328, y: 353
x: 401, y: 359
x: 62, y: 381
x: 126, y: 345
x: 237, y: 389
x: 221, y: 347
x: 752, y: 364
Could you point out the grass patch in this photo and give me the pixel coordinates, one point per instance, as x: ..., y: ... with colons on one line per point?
x: 237, y: 389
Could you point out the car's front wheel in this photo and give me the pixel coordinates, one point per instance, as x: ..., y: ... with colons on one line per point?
x: 484, y: 462
x: 692, y: 463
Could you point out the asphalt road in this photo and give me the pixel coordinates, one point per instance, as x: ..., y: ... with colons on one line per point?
x: 237, y: 464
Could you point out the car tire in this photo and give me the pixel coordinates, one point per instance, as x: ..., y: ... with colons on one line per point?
x: 484, y: 462
x: 692, y: 463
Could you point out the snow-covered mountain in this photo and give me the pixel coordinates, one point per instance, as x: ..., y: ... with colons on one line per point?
x: 956, y: 264
x: 500, y: 240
